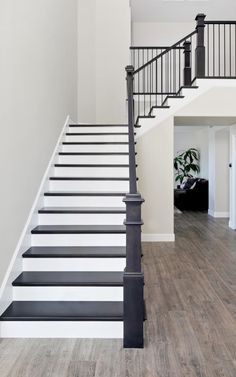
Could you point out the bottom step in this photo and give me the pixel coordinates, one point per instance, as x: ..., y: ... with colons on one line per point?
x: 27, y: 319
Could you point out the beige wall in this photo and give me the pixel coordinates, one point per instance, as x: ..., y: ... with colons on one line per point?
x: 37, y: 91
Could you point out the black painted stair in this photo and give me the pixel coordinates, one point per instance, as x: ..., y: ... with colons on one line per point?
x: 89, y: 178
x: 96, y: 133
x: 82, y: 210
x: 93, y: 153
x: 98, y: 125
x: 83, y: 193
x: 91, y: 165
x: 63, y: 311
x: 69, y: 279
x: 95, y: 143
x: 79, y: 229
x: 75, y: 252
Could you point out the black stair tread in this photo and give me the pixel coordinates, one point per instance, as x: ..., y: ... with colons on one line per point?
x: 75, y: 252
x: 91, y: 165
x: 176, y: 96
x: 63, y: 311
x: 83, y: 193
x: 89, y: 178
x: 96, y: 143
x: 71, y: 278
x: 98, y: 125
x: 95, y: 133
x: 79, y: 229
x: 93, y: 153
x: 82, y: 210
x: 161, y: 107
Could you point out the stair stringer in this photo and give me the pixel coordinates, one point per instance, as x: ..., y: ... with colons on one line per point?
x: 16, y: 264
x: 176, y: 104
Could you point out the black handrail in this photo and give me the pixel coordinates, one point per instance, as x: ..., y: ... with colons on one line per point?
x: 165, y: 52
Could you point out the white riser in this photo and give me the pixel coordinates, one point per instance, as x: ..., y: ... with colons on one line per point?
x: 96, y: 159
x: 92, y: 129
x: 61, y: 329
x: 74, y: 264
x: 120, y: 186
x: 91, y: 172
x: 81, y: 219
x: 68, y: 293
x: 78, y: 239
x: 83, y: 201
x: 96, y: 138
x: 94, y: 148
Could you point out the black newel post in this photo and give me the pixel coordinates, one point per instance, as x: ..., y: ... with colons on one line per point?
x: 200, y: 49
x: 187, y: 64
x: 133, y: 276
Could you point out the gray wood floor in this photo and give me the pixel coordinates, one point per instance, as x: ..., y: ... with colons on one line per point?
x: 191, y: 306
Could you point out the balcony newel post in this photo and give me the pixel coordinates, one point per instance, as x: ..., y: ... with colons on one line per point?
x: 187, y: 64
x: 200, y: 49
x: 133, y: 276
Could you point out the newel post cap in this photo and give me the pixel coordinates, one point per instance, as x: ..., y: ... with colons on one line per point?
x: 129, y: 69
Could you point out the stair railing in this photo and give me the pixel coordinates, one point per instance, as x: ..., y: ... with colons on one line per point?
x: 162, y: 72
x: 133, y: 276
x: 149, y: 85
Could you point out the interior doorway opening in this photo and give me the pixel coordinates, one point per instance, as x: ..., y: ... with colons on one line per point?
x: 211, y: 187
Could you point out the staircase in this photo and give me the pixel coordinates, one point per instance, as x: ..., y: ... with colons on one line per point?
x: 72, y: 279
x: 82, y: 274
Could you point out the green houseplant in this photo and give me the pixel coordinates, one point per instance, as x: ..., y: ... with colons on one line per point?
x: 186, y: 164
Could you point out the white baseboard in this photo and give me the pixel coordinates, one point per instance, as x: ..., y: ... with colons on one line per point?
x: 15, y: 266
x: 158, y: 237
x: 218, y: 214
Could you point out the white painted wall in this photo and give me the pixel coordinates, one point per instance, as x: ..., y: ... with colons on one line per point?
x: 104, y: 38
x: 38, y: 74
x: 219, y: 155
x: 232, y: 175
x: 155, y: 171
x: 159, y: 33
x: 186, y: 137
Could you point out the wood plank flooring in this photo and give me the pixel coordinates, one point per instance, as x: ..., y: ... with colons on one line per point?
x: 191, y: 307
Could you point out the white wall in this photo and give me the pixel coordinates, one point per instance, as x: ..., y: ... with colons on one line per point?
x: 38, y: 71
x: 186, y: 137
x: 159, y: 33
x: 219, y: 155
x: 155, y: 171
x: 103, y: 53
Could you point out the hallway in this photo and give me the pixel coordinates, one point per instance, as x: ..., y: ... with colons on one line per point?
x: 191, y: 316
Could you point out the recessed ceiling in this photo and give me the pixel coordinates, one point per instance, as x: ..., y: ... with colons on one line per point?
x: 181, y: 10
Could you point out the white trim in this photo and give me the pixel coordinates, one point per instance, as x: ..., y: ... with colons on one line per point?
x: 15, y: 266
x: 61, y: 329
x: 158, y: 237
x: 218, y: 214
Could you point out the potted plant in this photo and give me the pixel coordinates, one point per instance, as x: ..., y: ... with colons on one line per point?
x: 186, y: 164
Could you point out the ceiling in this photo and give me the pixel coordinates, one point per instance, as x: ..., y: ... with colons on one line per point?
x: 181, y: 10
x: 204, y: 121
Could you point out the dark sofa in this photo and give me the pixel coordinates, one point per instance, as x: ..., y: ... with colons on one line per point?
x: 193, y: 199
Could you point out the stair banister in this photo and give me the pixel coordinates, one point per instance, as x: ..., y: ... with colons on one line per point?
x: 133, y: 276
x: 200, y: 48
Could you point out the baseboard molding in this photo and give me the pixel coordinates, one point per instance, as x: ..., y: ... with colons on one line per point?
x: 158, y: 237
x: 16, y: 264
x: 218, y: 214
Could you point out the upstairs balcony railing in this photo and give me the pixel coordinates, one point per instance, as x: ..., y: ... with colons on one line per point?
x: 209, y: 51
x: 156, y: 74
